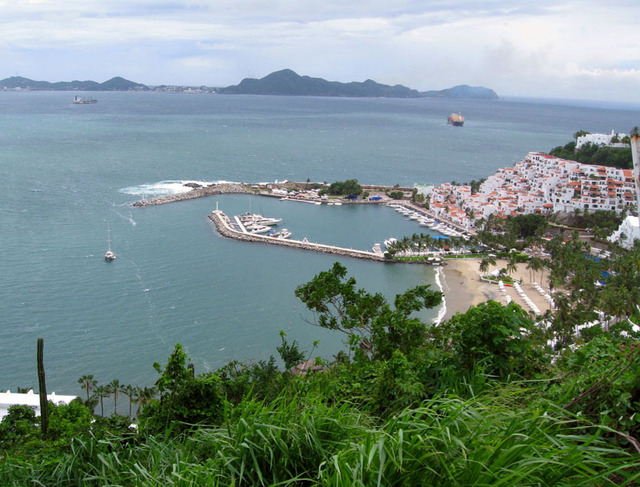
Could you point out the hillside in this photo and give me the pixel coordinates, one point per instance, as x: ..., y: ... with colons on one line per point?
x: 463, y: 91
x: 114, y: 84
x: 287, y: 82
x: 284, y: 82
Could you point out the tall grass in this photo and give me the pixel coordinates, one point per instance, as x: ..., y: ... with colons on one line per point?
x: 285, y: 444
x: 453, y: 442
x: 304, y: 441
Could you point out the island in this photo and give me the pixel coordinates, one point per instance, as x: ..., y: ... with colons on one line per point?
x: 289, y: 83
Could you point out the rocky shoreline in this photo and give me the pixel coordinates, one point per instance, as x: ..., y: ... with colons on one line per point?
x: 202, y: 192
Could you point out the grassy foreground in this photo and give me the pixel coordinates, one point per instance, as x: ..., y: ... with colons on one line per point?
x: 481, y: 399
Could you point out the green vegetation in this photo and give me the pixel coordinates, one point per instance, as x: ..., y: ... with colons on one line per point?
x: 343, y: 188
x: 601, y: 223
x: 474, y: 184
x: 481, y: 399
x: 424, y: 243
x: 591, y: 153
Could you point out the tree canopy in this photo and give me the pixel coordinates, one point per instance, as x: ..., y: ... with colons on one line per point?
x: 590, y: 153
x: 350, y: 186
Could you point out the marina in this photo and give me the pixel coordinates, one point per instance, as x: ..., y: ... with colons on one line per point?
x: 257, y: 228
x: 226, y: 227
x: 256, y: 224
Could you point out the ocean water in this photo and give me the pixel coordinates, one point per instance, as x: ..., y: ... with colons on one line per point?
x: 69, y: 172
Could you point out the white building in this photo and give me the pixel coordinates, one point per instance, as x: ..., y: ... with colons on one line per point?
x: 600, y: 139
x: 541, y: 183
x: 8, y: 399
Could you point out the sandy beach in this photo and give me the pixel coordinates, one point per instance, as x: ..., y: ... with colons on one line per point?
x: 463, y: 287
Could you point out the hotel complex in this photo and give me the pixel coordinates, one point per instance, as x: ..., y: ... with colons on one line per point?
x: 538, y: 184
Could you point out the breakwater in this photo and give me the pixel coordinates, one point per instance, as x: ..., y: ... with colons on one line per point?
x: 224, y: 188
x: 224, y: 225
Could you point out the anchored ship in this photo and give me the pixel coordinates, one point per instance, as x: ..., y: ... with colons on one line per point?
x: 456, y: 120
x: 78, y: 100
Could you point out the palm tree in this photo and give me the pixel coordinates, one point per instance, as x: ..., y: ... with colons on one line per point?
x: 484, y: 266
x: 536, y: 264
x: 487, y: 262
x: 87, y: 383
x: 145, y: 394
x: 101, y: 392
x: 132, y: 394
x: 405, y: 243
x: 114, y: 388
x: 427, y: 240
x: 512, y: 266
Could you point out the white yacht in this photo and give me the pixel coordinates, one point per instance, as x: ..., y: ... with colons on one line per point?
x: 109, y: 255
x: 254, y: 218
x: 390, y: 241
x: 257, y: 228
x: 282, y: 234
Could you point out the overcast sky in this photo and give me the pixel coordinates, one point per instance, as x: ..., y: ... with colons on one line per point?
x: 585, y: 49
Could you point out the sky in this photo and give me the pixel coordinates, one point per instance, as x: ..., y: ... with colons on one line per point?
x: 575, y: 49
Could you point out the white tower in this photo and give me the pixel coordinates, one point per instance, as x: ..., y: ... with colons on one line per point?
x: 630, y: 227
x: 635, y: 155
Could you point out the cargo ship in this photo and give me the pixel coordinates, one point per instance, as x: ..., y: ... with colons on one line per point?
x: 456, y: 120
x: 78, y: 100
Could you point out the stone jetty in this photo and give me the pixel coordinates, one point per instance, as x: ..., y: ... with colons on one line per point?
x: 223, y: 188
x: 226, y: 228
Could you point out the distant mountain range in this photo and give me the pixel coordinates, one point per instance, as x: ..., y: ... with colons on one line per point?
x: 287, y: 82
x: 284, y: 82
x: 463, y: 91
x: 114, y: 84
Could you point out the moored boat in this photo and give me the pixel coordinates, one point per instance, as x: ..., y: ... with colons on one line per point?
x: 257, y: 228
x: 282, y: 234
x: 390, y: 241
x: 254, y: 218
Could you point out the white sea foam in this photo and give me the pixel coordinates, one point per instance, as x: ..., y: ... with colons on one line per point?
x: 164, y: 188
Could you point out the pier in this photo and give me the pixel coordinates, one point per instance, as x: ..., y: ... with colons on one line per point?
x: 225, y: 226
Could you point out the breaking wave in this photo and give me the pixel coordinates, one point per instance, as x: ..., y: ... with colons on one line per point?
x: 164, y: 188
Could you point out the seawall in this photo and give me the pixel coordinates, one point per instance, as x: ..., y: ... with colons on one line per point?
x: 225, y: 188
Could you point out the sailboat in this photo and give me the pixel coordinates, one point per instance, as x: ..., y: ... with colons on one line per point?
x: 109, y: 255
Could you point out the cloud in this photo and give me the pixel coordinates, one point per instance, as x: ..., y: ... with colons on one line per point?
x: 526, y: 47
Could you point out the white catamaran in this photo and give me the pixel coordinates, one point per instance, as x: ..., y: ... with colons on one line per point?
x: 109, y: 255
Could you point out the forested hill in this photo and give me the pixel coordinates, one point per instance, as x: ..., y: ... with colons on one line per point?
x: 288, y: 82
x: 463, y: 91
x: 284, y: 82
x: 114, y: 84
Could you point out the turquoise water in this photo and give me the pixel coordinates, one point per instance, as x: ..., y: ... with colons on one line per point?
x: 69, y: 171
